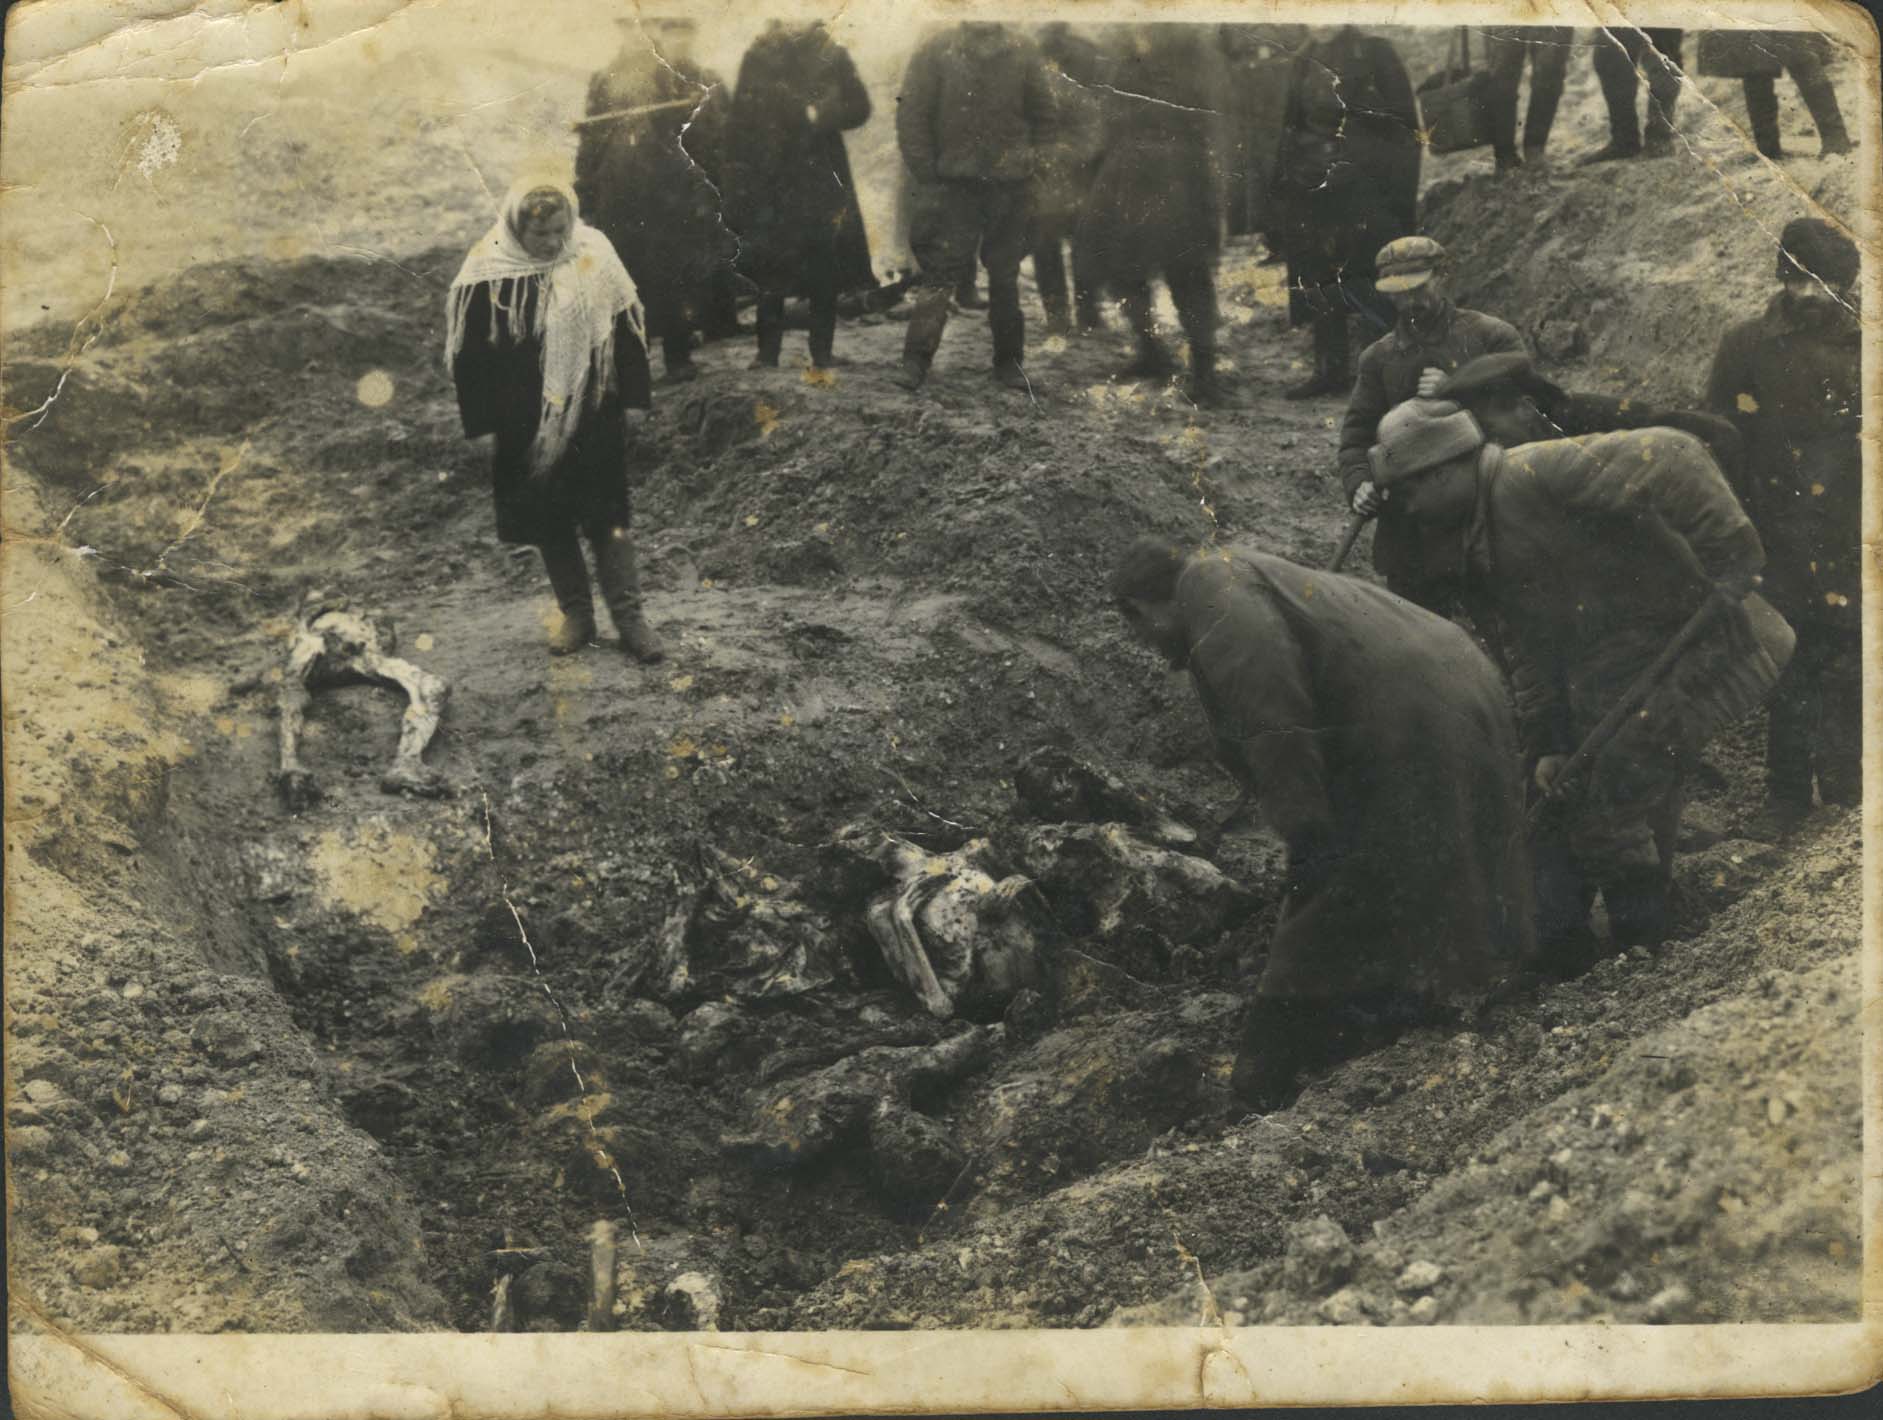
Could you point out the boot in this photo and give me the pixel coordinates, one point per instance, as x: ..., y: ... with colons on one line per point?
x: 923, y: 338
x: 1762, y: 115
x: 1820, y: 99
x: 967, y: 298
x: 621, y: 590
x: 1153, y: 361
x: 1280, y: 1040
x: 771, y: 332
x: 1331, y: 375
x: 568, y: 579
x: 1205, y: 387
x: 1637, y: 907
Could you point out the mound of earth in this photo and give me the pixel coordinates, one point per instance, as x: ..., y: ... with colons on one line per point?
x: 425, y: 1045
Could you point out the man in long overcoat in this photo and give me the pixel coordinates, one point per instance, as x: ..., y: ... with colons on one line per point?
x: 789, y: 195
x: 1376, y: 740
x: 1346, y: 182
x: 974, y: 108
x: 1156, y: 207
x: 646, y: 173
x: 1791, y: 379
x: 1585, y: 558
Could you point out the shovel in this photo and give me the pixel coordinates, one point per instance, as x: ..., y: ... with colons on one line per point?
x: 1347, y: 540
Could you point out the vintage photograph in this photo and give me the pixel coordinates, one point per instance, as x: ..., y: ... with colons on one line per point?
x: 878, y: 668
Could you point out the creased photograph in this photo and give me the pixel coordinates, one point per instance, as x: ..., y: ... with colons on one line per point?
x: 763, y: 707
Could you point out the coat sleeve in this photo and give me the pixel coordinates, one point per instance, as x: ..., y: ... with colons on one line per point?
x: 633, y: 378
x: 474, y: 368
x: 1365, y: 408
x: 915, y: 114
x: 844, y: 103
x: 1260, y: 699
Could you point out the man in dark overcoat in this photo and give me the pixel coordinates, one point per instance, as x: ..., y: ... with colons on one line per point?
x: 647, y: 170
x: 1376, y: 741
x: 1346, y: 182
x: 1756, y: 58
x: 789, y: 195
x: 1156, y: 207
x: 1791, y: 379
x: 974, y: 108
x: 1584, y: 558
x: 1256, y: 58
x: 1431, y: 333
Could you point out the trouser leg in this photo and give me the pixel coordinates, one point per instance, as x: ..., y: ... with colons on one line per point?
x: 1004, y: 221
x: 1281, y: 1038
x: 820, y: 279
x: 1662, y: 63
x: 1549, y: 65
x: 676, y: 350
x: 1504, y: 61
x: 1049, y: 273
x: 1086, y: 279
x: 1192, y: 283
x: 1792, y: 716
x: 1837, y: 753
x: 1820, y: 98
x: 1615, y: 51
x: 771, y: 327
x: 1762, y: 114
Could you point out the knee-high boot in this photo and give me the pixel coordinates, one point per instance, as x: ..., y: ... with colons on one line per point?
x: 568, y: 579
x: 1820, y: 97
x: 621, y: 590
x: 1762, y: 114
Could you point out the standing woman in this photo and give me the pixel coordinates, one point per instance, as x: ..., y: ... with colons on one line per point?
x: 547, y: 345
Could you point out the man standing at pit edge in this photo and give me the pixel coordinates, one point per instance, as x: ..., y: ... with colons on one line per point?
x: 1791, y: 379
x: 1432, y: 335
x: 1376, y: 740
x: 974, y: 107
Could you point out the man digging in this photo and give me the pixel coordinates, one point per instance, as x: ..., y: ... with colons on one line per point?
x: 1376, y: 741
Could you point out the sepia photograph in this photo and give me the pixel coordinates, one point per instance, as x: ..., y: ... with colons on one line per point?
x: 771, y: 707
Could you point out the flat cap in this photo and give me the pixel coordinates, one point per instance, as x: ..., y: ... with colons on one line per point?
x: 1406, y: 262
x: 1813, y: 248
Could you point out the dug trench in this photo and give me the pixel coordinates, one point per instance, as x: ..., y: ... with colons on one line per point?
x: 382, y: 1065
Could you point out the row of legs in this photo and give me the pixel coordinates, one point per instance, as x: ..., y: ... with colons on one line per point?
x: 619, y: 575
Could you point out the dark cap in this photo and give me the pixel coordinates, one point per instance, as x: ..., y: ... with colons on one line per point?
x: 1512, y: 368
x: 1813, y: 248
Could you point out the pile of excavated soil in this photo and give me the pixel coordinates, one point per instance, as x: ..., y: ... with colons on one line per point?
x: 424, y: 1045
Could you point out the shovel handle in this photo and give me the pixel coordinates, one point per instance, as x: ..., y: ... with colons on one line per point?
x: 1347, y: 540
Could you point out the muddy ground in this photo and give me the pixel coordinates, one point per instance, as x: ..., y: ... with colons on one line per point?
x: 349, y: 1070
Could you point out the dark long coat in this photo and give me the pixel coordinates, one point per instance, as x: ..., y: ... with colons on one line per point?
x: 1158, y: 195
x: 1347, y: 173
x: 1378, y: 741
x: 1792, y: 382
x: 1257, y: 58
x: 1079, y: 75
x: 788, y: 186
x: 652, y: 189
x: 500, y: 391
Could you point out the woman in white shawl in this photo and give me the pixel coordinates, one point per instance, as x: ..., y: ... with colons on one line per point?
x: 547, y: 345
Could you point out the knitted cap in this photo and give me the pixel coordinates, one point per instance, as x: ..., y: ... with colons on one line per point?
x: 1418, y: 435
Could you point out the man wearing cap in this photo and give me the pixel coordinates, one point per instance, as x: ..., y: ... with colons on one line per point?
x: 1584, y: 559
x: 1790, y: 378
x: 1376, y: 741
x: 1432, y: 334
x: 975, y: 104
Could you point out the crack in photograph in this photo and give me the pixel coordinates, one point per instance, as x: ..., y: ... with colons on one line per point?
x: 864, y: 669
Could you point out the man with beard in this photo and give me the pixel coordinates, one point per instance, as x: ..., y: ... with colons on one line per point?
x: 1432, y: 335
x: 646, y: 175
x: 1584, y: 559
x: 1156, y: 207
x: 974, y: 108
x: 1376, y: 741
x: 1790, y: 378
x: 789, y: 195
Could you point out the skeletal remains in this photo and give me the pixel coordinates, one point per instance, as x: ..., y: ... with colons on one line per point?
x: 333, y: 645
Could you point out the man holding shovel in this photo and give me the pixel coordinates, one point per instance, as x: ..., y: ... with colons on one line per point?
x: 1616, y: 573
